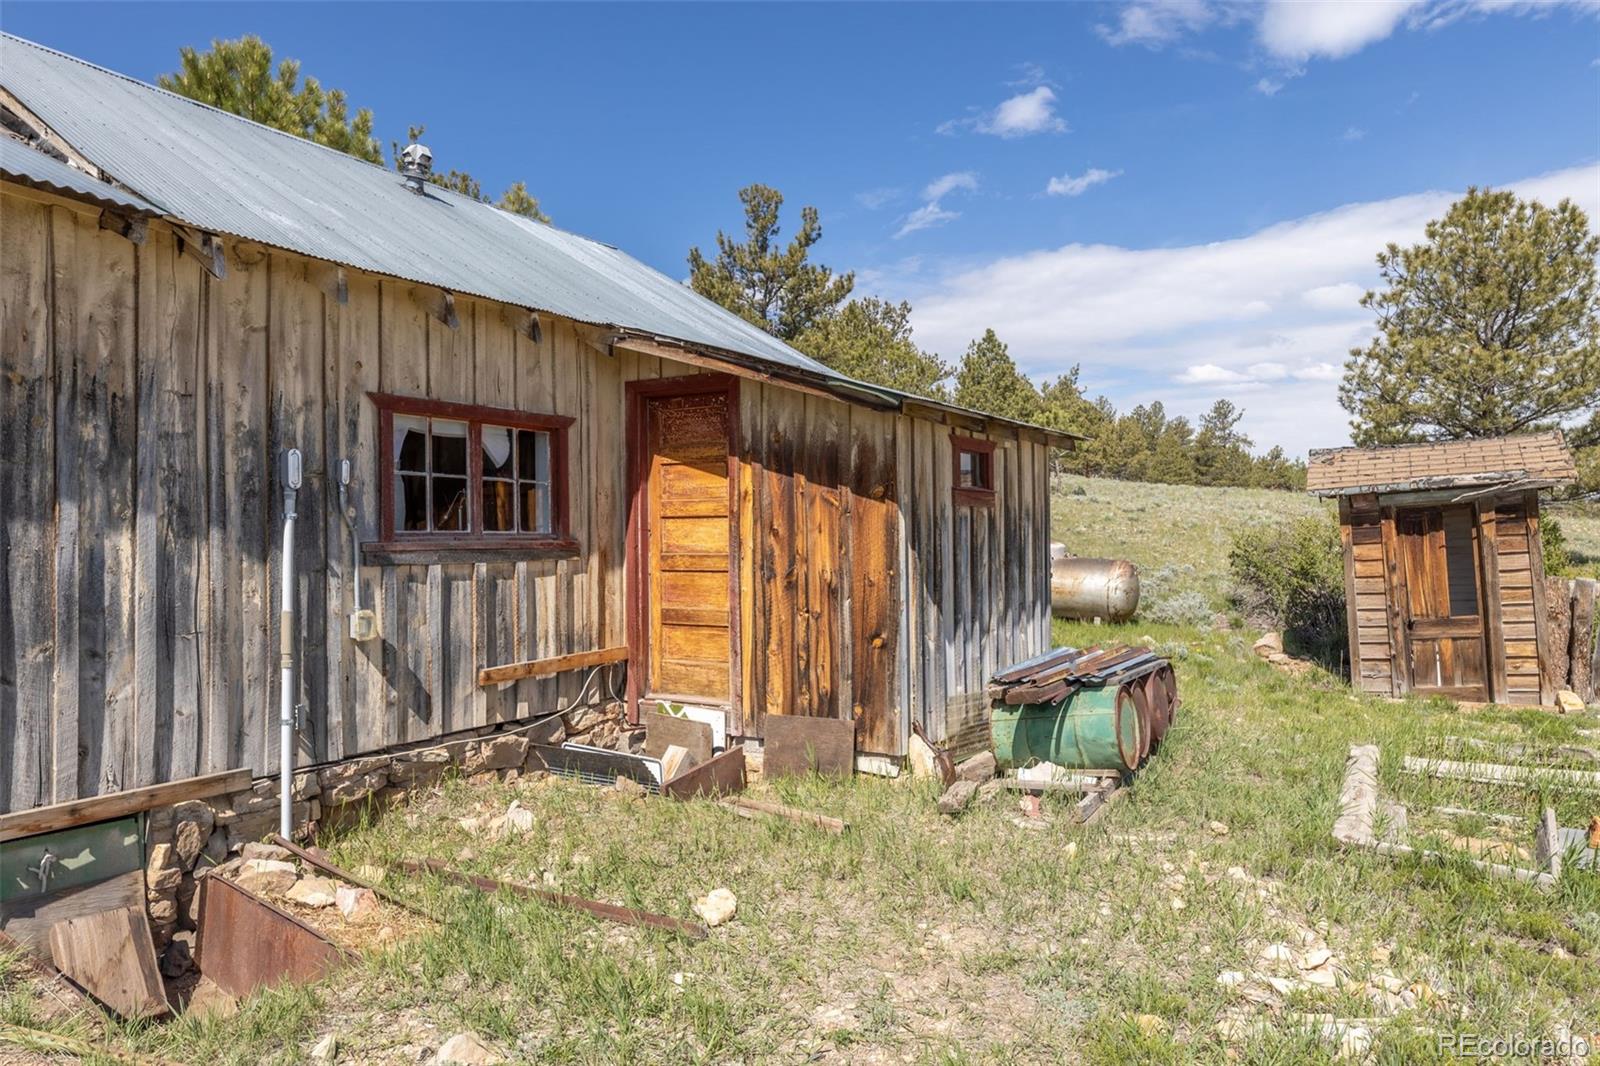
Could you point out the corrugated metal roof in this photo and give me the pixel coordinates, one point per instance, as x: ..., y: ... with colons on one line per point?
x: 32, y: 167
x: 226, y: 174
x: 1533, y: 457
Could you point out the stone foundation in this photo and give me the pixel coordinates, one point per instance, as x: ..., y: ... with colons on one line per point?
x: 186, y: 839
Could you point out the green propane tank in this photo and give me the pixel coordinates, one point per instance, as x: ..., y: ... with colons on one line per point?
x: 1091, y: 729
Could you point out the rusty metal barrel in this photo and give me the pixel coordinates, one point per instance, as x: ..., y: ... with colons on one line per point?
x: 1085, y: 589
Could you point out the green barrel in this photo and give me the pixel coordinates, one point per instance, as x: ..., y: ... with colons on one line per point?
x: 1091, y: 729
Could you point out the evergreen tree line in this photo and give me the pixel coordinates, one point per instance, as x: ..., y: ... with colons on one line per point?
x: 775, y: 285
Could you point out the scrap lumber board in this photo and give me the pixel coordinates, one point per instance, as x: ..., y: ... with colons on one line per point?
x: 71, y: 813
x: 1485, y: 773
x: 662, y: 731
x: 494, y: 675
x: 609, y: 911
x: 720, y: 775
x: 110, y: 956
x: 245, y: 943
x: 1092, y: 807
x: 749, y: 808
x: 28, y: 921
x: 800, y: 744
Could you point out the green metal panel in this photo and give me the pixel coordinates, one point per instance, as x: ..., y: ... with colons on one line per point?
x: 1087, y: 730
x: 82, y: 856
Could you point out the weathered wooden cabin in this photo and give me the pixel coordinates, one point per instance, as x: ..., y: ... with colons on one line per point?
x: 552, y: 450
x: 1443, y: 571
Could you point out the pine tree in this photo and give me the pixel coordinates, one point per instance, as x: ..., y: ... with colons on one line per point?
x: 1490, y: 326
x: 238, y: 76
x: 776, y: 287
x: 989, y: 381
x: 870, y: 339
x: 1221, y: 452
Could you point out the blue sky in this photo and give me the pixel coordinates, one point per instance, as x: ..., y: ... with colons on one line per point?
x: 1184, y: 196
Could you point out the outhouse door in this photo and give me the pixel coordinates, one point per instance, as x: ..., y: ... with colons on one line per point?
x: 683, y: 616
x: 1442, y: 601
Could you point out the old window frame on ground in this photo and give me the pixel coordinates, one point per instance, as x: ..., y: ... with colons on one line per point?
x: 474, y: 541
x: 981, y: 492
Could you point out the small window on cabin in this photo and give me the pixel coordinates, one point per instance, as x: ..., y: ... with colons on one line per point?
x: 974, y: 469
x: 463, y: 477
x: 1460, y: 561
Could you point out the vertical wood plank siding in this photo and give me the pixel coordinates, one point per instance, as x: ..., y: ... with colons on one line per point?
x: 144, y: 408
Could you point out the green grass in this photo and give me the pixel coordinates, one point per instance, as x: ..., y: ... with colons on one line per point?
x: 923, y: 939
x: 1580, y: 522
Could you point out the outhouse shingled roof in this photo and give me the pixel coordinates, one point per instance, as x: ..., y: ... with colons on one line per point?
x: 1533, y: 458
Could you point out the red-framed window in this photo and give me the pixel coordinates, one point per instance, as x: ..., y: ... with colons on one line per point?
x: 974, y: 470
x: 464, y: 476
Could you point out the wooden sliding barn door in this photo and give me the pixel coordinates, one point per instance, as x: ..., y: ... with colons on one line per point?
x: 1442, y: 600
x: 683, y: 563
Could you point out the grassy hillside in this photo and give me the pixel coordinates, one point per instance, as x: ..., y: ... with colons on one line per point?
x: 1581, y: 524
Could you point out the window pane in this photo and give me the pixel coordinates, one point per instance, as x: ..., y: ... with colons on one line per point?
x: 450, y: 503
x: 533, y: 446
x: 496, y: 451
x: 410, y: 502
x: 410, y: 443
x: 449, y: 447
x: 1460, y: 561
x: 499, y: 506
x: 536, y: 516
x: 968, y: 469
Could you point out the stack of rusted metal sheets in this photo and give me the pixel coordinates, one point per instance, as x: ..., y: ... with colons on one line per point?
x: 1057, y: 673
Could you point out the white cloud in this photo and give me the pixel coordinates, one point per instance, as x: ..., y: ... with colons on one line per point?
x: 1353, y: 133
x: 1270, y: 315
x: 873, y: 199
x: 933, y: 212
x: 939, y: 188
x: 1018, y: 116
x: 1291, y: 32
x: 1067, y: 185
x: 1154, y: 23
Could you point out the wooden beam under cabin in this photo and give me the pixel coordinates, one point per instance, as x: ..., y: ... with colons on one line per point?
x: 119, y: 804
x: 494, y: 675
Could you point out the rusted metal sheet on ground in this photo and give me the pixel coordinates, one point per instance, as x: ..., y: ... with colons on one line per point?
x: 246, y: 943
x: 798, y: 744
x: 720, y: 775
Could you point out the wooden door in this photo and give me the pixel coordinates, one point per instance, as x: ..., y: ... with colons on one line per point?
x: 1442, y: 600
x: 688, y: 547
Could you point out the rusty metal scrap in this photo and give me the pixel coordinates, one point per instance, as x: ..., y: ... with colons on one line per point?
x: 245, y: 943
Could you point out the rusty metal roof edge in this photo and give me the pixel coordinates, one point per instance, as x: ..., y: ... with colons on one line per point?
x: 1520, y: 478
x: 30, y: 167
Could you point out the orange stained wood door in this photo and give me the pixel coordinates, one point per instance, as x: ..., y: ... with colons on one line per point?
x: 688, y: 538
x: 1444, y: 617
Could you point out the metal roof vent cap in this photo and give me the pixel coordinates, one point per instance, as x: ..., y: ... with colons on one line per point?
x: 416, y: 163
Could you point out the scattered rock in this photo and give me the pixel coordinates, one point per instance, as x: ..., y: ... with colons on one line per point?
x: 209, y: 1001
x: 1031, y: 807
x: 356, y: 904
x: 627, y: 786
x: 990, y: 789
x: 1316, y: 958
x: 519, y: 819
x: 465, y: 1049
x: 178, y: 958
x: 957, y: 797
x: 980, y: 768
x: 1070, y: 849
x: 1150, y: 1025
x: 312, y: 891
x: 1277, y: 953
x: 1269, y: 645
x: 257, y: 850
x: 1022, y: 821
x: 1230, y: 978
x: 716, y: 906
x: 326, y: 1049
x: 1218, y: 828
x: 1177, y: 903
x: 266, y: 877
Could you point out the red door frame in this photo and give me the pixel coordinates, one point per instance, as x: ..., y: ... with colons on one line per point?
x: 639, y: 393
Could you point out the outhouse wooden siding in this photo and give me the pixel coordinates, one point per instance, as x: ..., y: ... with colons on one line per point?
x: 1506, y: 529
x: 144, y: 408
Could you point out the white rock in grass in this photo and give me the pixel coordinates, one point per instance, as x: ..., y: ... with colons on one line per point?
x: 518, y: 819
x: 1218, y: 828
x: 326, y: 1049
x: 1315, y: 958
x: 312, y: 891
x: 1230, y: 978
x: 355, y: 903
x: 465, y: 1049
x: 1177, y: 903
x: 266, y: 877
x: 716, y: 906
x: 1277, y: 953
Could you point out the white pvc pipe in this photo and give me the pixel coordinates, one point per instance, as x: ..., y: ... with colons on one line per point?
x: 286, y: 629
